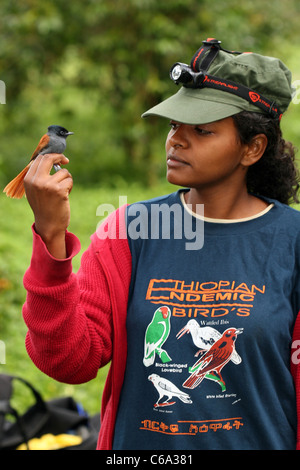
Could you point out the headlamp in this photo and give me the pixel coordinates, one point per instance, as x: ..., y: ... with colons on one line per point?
x: 182, y: 73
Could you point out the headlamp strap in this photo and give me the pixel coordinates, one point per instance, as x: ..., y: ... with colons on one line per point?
x: 201, y: 62
x: 213, y: 46
x: 266, y: 105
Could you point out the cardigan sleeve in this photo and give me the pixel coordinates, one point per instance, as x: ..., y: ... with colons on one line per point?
x: 68, y: 315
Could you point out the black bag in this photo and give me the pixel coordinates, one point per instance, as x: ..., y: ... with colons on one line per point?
x: 54, y: 417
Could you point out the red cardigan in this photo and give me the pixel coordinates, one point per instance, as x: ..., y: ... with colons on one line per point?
x: 77, y: 322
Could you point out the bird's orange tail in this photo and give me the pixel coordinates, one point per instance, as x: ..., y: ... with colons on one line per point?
x: 15, y: 189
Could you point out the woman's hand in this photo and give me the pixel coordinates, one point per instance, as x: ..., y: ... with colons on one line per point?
x: 48, y: 196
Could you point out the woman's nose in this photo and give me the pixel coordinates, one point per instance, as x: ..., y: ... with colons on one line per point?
x: 178, y: 136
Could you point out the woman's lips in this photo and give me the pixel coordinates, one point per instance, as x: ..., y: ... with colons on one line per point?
x: 174, y: 161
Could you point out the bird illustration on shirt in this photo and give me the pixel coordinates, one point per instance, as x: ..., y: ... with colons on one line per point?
x: 204, y: 337
x: 52, y: 142
x: 213, y: 360
x: 156, y: 334
x: 166, y: 388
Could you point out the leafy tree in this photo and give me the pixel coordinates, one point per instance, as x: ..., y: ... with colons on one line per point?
x: 95, y: 66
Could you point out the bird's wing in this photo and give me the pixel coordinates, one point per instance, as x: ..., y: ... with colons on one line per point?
x: 208, y: 362
x: 210, y: 336
x: 212, y: 359
x: 169, y: 386
x: 41, y: 145
x: 155, y: 333
x: 153, y: 337
x: 149, y: 349
x: 209, y: 332
x: 193, y: 381
x: 205, y: 363
x: 216, y: 357
x: 165, y: 385
x: 236, y: 358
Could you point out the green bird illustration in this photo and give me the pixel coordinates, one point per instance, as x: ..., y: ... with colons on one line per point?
x: 156, y: 334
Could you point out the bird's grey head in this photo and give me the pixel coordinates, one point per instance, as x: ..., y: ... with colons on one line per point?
x: 59, y: 131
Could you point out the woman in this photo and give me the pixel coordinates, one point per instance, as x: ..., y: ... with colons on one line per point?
x: 200, y: 331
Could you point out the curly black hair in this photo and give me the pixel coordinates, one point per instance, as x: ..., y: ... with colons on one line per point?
x: 275, y: 175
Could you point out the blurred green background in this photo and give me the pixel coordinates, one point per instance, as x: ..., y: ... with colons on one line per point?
x: 94, y: 67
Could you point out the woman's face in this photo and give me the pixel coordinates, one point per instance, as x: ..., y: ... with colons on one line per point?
x: 204, y: 155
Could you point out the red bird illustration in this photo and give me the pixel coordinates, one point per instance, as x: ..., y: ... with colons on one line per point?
x: 214, y: 359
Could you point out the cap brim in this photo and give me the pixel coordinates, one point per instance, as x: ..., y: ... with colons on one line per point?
x: 191, y: 107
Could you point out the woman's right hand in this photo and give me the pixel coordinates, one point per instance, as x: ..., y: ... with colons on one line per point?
x: 48, y: 196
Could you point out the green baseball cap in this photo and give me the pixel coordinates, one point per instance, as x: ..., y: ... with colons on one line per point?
x: 220, y: 83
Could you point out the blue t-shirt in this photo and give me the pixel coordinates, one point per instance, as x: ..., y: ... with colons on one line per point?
x: 209, y: 330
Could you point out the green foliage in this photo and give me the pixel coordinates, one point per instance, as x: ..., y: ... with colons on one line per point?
x: 96, y: 66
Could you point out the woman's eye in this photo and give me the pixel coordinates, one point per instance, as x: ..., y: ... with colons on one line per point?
x: 201, y: 131
x: 173, y: 125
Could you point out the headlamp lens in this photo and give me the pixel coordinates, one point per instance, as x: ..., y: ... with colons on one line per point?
x: 176, y: 72
x: 181, y: 73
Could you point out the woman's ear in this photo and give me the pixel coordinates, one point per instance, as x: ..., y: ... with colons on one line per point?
x: 254, y: 150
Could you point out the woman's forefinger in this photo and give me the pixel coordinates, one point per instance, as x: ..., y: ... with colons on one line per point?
x: 43, y: 164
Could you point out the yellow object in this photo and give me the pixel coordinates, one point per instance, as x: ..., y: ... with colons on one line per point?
x: 51, y: 442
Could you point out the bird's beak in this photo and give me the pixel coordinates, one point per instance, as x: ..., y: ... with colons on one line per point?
x: 182, y: 332
x: 239, y: 331
x: 70, y: 133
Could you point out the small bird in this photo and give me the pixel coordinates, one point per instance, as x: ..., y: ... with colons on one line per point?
x: 166, y: 388
x: 214, y: 359
x: 156, y: 334
x: 52, y: 142
x: 204, y: 337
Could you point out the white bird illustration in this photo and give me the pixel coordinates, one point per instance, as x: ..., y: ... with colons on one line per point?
x: 166, y: 388
x: 204, y: 337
